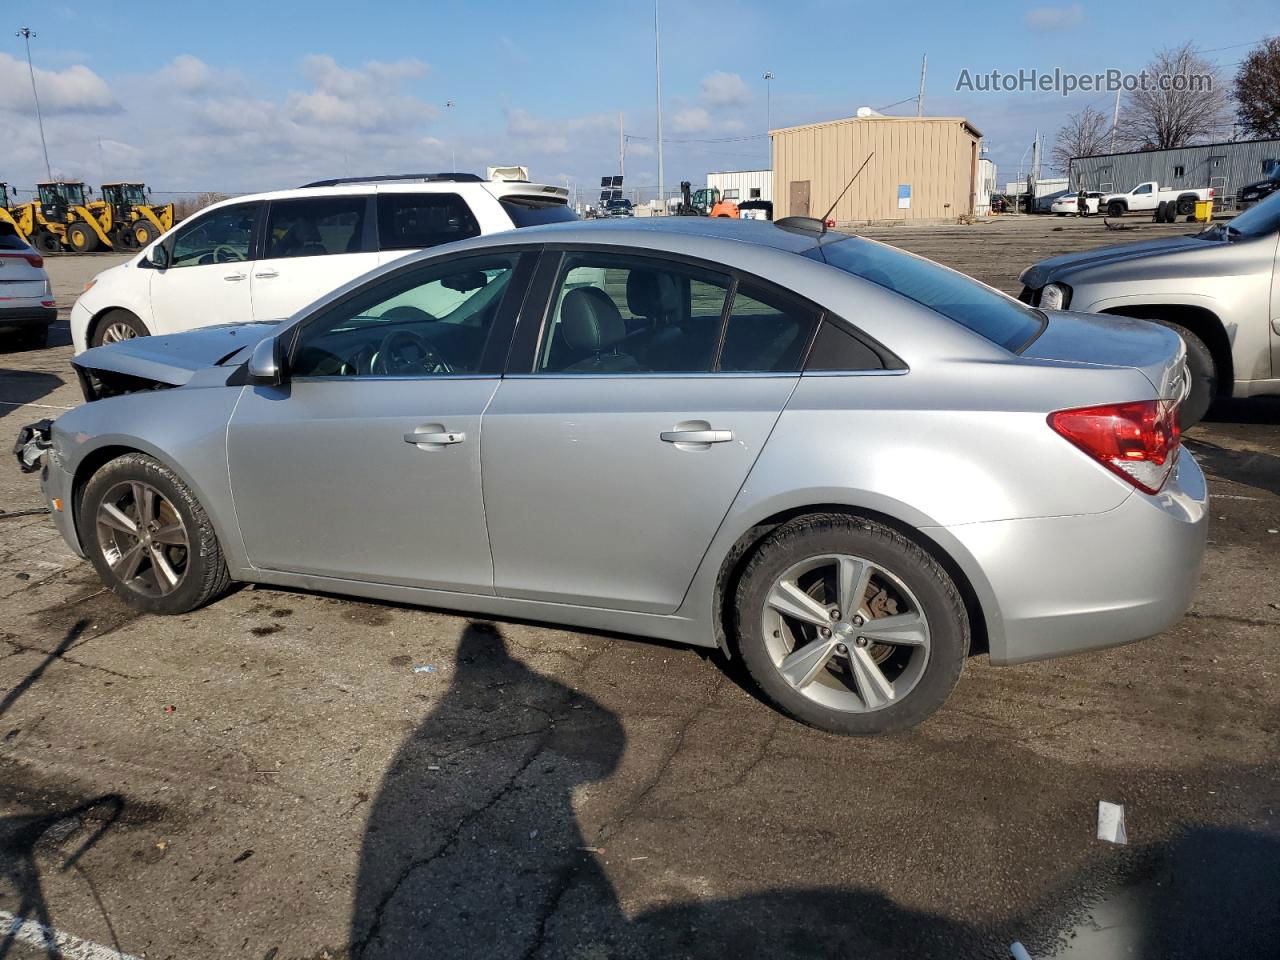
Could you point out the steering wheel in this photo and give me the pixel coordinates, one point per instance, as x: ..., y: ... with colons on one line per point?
x: 405, y: 353
x: 225, y: 253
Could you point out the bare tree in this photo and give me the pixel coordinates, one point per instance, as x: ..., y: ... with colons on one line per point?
x: 1084, y: 135
x: 1182, y: 101
x: 193, y: 203
x: 1258, y: 90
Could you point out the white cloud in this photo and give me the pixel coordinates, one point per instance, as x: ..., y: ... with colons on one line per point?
x: 725, y: 90
x: 691, y: 120
x: 1055, y: 18
x: 187, y: 73
x: 77, y: 89
x: 557, y: 136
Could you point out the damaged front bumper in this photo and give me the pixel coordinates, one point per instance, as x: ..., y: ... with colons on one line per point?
x: 32, y: 445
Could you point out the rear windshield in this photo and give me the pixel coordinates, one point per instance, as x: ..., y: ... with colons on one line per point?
x: 992, y: 315
x: 534, y: 211
x: 9, y: 239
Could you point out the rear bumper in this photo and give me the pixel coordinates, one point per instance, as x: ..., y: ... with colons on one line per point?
x: 1063, y: 585
x: 16, y: 318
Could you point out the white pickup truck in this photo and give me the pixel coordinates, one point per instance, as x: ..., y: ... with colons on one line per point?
x: 1147, y: 197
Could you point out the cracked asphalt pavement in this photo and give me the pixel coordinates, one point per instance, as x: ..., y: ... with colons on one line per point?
x: 297, y: 775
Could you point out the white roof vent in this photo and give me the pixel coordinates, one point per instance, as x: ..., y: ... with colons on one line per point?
x: 869, y: 112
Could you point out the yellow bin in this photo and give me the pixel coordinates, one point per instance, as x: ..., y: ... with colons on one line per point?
x: 1204, y: 210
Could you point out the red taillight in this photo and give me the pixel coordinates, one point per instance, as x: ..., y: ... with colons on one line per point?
x: 1138, y: 441
x: 34, y: 259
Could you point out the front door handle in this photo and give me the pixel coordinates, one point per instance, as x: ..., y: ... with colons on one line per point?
x: 697, y: 436
x: 266, y: 274
x: 235, y: 276
x: 435, y: 436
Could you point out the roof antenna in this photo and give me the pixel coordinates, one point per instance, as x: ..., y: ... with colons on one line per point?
x: 845, y: 190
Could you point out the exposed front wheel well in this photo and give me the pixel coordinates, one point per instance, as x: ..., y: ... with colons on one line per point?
x: 1203, y: 323
x: 740, y: 554
x: 90, y: 465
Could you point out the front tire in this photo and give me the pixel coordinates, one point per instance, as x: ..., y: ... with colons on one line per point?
x: 849, y: 626
x: 149, y: 538
x: 81, y: 238
x: 1204, y: 376
x: 117, y: 325
x: 144, y: 231
x: 1115, y: 209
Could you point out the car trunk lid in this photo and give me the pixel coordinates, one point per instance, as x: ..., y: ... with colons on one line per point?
x: 1104, y: 340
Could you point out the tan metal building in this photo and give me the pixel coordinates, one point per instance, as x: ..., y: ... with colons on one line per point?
x: 924, y: 168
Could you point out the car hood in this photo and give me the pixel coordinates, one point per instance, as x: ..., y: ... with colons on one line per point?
x: 1056, y: 267
x: 175, y: 358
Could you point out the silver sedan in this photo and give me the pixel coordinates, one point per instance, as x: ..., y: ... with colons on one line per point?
x: 844, y: 464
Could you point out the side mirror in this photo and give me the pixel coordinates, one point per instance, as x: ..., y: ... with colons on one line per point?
x: 158, y: 257
x: 264, y: 364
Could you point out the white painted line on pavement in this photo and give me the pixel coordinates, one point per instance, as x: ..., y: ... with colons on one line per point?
x: 42, y: 406
x: 38, y: 935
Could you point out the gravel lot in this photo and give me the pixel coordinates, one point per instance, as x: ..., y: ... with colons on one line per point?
x: 271, y: 777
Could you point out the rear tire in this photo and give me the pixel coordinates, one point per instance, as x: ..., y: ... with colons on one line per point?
x: 1186, y: 206
x: 152, y: 573
x: 839, y: 692
x: 81, y: 238
x: 1204, y: 376
x: 117, y: 325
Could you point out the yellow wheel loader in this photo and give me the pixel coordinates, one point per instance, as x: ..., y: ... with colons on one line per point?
x: 61, y: 218
x: 129, y: 218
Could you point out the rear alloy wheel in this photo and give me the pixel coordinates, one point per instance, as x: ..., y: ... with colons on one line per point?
x: 1186, y: 207
x: 849, y: 626
x: 149, y: 538
x: 81, y: 238
x: 116, y: 326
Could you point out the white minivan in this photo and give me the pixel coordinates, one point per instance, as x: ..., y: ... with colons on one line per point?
x: 265, y: 256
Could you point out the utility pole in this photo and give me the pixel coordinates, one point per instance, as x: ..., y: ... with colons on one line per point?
x: 768, y: 100
x: 657, y: 70
x: 453, y: 146
x: 26, y: 34
x: 1115, y: 120
x: 622, y: 148
x: 924, y: 66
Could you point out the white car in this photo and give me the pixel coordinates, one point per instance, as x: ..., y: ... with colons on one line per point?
x: 1068, y: 203
x: 265, y: 256
x: 1147, y: 197
x: 26, y: 300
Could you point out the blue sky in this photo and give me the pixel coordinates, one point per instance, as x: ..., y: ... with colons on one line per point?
x: 235, y: 96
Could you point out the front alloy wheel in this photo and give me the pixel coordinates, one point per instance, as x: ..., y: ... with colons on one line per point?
x: 143, y: 539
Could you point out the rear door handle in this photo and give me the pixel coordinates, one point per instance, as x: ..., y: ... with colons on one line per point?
x: 697, y: 436
x: 266, y: 275
x: 235, y: 276
x: 435, y: 437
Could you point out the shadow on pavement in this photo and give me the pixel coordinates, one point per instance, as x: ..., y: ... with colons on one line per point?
x: 441, y: 876
x: 21, y: 838
x: 18, y: 387
x: 1251, y: 468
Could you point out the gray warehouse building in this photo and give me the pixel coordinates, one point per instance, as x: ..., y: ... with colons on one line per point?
x: 1224, y: 166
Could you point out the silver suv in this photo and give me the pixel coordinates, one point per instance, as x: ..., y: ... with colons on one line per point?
x: 1219, y: 289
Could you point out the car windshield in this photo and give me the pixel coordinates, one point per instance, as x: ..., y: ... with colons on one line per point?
x: 1259, y: 221
x: 973, y: 305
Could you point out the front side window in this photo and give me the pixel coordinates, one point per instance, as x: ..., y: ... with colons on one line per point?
x: 428, y: 322
x: 1145, y: 188
x: 614, y: 313
x: 314, y: 227
x: 415, y: 221
x: 973, y: 305
x: 222, y: 236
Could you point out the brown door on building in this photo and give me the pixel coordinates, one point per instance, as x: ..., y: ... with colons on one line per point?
x: 799, y: 199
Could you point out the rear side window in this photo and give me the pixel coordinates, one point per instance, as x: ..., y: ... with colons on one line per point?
x: 316, y: 227
x: 990, y: 314
x: 413, y: 221
x: 533, y: 211
x: 766, y: 333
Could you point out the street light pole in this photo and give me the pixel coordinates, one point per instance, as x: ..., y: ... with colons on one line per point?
x: 26, y: 34
x: 657, y: 70
x: 453, y: 146
x: 768, y: 100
